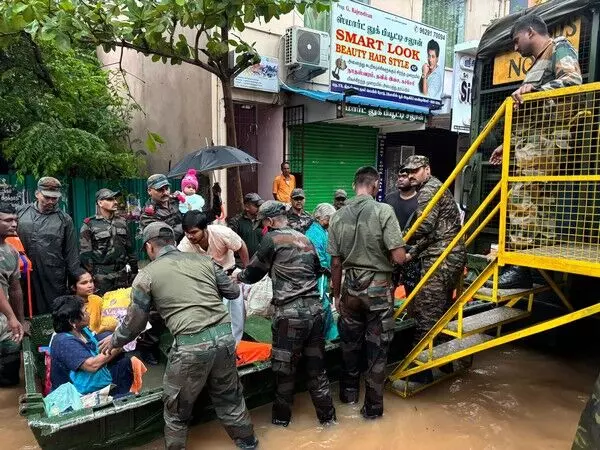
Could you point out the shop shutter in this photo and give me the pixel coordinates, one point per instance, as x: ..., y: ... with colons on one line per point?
x: 332, y: 153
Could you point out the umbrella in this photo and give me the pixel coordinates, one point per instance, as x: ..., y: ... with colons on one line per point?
x: 212, y: 158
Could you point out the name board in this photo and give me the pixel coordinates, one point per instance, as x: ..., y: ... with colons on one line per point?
x: 382, y: 113
x: 512, y: 67
x: 461, y: 92
x: 11, y: 195
x: 381, y: 166
x: 384, y: 56
x: 260, y: 77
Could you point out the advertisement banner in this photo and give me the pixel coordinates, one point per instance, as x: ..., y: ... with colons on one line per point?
x: 386, y: 57
x: 260, y: 77
x: 464, y: 65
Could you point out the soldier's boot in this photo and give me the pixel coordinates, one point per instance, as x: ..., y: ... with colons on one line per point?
x: 513, y: 277
x: 349, y: 392
x: 250, y: 442
x: 281, y: 415
x: 369, y: 414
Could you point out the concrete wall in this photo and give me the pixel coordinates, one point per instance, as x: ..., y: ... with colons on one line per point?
x: 270, y: 147
x: 479, y: 14
x: 410, y: 9
x: 175, y: 102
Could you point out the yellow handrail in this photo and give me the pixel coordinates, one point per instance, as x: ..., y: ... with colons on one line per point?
x: 499, y: 114
x: 449, y: 248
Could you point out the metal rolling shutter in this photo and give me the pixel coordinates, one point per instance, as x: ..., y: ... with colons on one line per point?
x: 332, y: 153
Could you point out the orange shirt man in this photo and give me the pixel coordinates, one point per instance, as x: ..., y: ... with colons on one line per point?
x: 284, y: 184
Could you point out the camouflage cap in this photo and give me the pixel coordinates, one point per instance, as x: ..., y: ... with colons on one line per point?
x: 253, y: 197
x: 157, y: 229
x: 271, y: 208
x: 105, y: 193
x: 415, y: 162
x: 298, y: 193
x: 340, y: 193
x: 49, y: 187
x: 157, y: 181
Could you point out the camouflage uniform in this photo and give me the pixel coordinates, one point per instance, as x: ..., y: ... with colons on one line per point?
x: 106, y: 249
x: 538, y: 140
x: 10, y: 357
x: 427, y: 244
x: 155, y: 212
x: 299, y: 222
x: 362, y: 234
x: 587, y: 436
x: 186, y: 289
x: 298, y: 320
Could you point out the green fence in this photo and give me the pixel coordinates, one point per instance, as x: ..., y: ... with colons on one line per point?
x: 79, y: 197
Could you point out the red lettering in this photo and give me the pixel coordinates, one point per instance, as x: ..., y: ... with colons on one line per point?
x: 339, y: 34
x: 415, y: 55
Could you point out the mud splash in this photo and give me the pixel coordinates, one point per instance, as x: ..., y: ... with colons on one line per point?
x: 513, y: 398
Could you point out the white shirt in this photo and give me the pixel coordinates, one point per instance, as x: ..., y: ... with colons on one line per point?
x: 222, y: 243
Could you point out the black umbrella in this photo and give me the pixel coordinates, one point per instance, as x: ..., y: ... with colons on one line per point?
x: 212, y: 158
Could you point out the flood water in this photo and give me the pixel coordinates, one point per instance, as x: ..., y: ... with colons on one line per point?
x: 512, y: 398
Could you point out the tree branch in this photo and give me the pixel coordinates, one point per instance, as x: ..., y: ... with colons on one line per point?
x: 41, y: 69
x: 157, y: 52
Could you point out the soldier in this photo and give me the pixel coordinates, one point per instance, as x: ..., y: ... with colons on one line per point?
x: 48, y: 236
x: 297, y: 218
x: 364, y: 239
x: 587, y: 436
x: 298, y: 319
x: 339, y: 198
x: 427, y: 243
x: 245, y: 223
x: 555, y: 66
x: 105, y: 245
x: 186, y: 290
x: 163, y: 207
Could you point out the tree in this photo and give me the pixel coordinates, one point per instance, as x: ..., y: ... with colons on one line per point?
x: 59, y: 115
x: 156, y: 28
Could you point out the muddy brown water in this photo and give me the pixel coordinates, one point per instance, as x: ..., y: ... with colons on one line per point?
x: 512, y: 398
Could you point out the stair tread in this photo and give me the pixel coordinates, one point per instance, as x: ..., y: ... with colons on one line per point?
x: 454, y: 346
x: 506, y: 292
x: 487, y: 319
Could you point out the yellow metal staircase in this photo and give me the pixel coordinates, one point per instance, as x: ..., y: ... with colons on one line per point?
x: 572, y: 247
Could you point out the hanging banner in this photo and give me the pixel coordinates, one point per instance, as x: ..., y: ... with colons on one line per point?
x: 386, y: 57
x: 464, y: 65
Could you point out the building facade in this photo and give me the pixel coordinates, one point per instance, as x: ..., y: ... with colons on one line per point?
x: 324, y: 127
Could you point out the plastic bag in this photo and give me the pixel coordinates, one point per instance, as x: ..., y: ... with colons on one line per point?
x: 64, y: 398
x: 258, y: 299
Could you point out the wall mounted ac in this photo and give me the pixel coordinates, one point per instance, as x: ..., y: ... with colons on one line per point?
x: 306, y: 53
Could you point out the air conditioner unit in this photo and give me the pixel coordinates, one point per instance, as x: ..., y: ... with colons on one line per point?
x: 306, y: 52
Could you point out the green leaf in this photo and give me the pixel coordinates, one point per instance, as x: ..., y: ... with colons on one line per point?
x: 155, y: 58
x: 150, y: 143
x: 180, y: 2
x: 63, y: 42
x: 157, y: 137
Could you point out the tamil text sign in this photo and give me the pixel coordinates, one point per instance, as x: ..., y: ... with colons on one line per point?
x: 512, y: 67
x: 384, y: 56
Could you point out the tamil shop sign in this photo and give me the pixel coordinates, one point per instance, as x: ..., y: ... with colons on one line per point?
x: 380, y: 113
x: 461, y: 92
x: 512, y: 67
x: 386, y: 57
